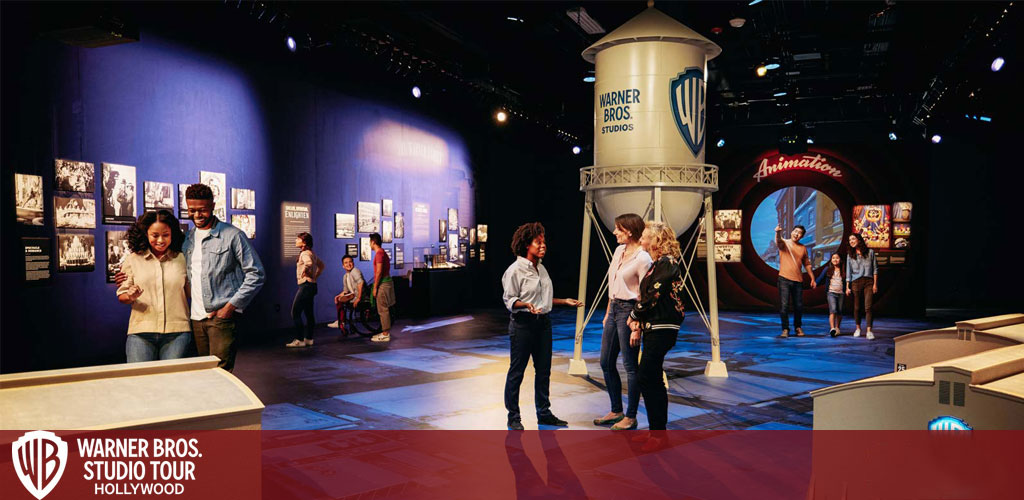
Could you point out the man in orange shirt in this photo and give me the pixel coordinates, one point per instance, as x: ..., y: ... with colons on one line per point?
x: 792, y: 257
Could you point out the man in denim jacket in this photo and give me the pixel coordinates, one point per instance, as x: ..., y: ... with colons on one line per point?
x: 224, y: 276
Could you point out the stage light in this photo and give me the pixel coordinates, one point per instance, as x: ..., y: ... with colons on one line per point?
x: 720, y: 143
x: 416, y: 92
x: 780, y: 94
x: 788, y: 122
x: 997, y: 63
x: 754, y: 2
x: 892, y: 136
x: 290, y: 42
x: 936, y: 139
x: 761, y: 70
x: 985, y: 118
x: 772, y: 66
x: 576, y: 150
x: 810, y: 140
x: 501, y: 116
x: 589, y: 79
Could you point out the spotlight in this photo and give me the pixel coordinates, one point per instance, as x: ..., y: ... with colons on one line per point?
x: 754, y: 2
x: 772, y: 66
x: 780, y: 93
x: 290, y: 42
x: 810, y: 140
x: 997, y: 63
x: 501, y: 116
x: 762, y: 70
x: 936, y: 139
x: 720, y: 143
x: 788, y: 122
x: 985, y: 118
x: 892, y: 136
x: 416, y: 92
x: 589, y: 79
x: 576, y: 150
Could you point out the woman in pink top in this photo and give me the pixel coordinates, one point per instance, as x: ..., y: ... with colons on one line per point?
x: 629, y: 265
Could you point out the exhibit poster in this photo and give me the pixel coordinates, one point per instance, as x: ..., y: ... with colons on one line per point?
x: 117, y: 250
x: 442, y: 253
x: 453, y: 218
x: 483, y: 255
x: 119, y: 194
x: 37, y: 260
x: 472, y: 236
x: 344, y: 226
x: 295, y: 219
x: 243, y: 199
x: 420, y: 221
x: 352, y: 250
x: 387, y: 231
x: 902, y: 211
x: 74, y: 211
x: 218, y: 184
x: 182, y: 204
x: 481, y: 233
x: 462, y: 249
x: 76, y: 253
x: 727, y: 253
x: 901, y: 235
x: 387, y: 250
x: 472, y: 252
x: 386, y: 207
x: 365, y: 253
x: 463, y: 232
x: 158, y: 195
x: 453, y: 252
x: 399, y: 261
x: 872, y: 222
x: 245, y: 222
x: 442, y: 230
x: 28, y: 199
x: 78, y: 176
x: 369, y: 217
x: 399, y: 225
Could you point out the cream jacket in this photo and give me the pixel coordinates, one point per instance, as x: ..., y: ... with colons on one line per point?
x: 162, y: 307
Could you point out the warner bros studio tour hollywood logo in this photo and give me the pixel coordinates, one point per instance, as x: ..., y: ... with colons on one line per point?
x: 39, y: 460
x: 688, y: 92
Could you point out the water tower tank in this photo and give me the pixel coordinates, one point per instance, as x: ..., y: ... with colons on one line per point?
x: 650, y: 102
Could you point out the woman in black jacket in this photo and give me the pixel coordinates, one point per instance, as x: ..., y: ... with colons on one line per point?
x: 656, y: 318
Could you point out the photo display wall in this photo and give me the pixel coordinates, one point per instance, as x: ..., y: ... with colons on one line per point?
x: 728, y: 234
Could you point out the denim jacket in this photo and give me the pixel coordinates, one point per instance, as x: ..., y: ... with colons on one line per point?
x: 232, y: 272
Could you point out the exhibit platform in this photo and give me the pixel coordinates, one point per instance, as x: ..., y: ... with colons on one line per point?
x: 449, y: 373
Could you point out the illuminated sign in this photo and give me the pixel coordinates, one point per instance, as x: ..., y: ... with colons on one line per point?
x: 948, y: 424
x: 783, y: 163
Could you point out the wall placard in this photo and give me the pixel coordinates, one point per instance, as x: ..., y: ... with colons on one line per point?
x: 37, y: 260
x: 295, y: 219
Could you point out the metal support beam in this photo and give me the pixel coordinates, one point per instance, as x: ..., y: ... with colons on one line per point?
x: 715, y: 367
x: 577, y: 366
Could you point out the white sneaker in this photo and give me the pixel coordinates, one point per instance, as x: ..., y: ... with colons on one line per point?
x: 870, y: 335
x: 856, y: 333
x: 309, y: 342
x: 333, y: 325
x: 380, y: 337
x: 296, y: 343
x: 838, y: 333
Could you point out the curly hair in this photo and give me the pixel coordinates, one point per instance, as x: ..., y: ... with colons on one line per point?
x: 138, y: 239
x: 525, y: 235
x: 199, y: 192
x: 663, y: 239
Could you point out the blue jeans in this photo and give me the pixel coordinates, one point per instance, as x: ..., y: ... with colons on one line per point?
x: 835, y: 303
x: 154, y: 346
x: 791, y: 292
x: 616, y: 338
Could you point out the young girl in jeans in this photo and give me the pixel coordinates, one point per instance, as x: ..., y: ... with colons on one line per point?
x: 836, y: 278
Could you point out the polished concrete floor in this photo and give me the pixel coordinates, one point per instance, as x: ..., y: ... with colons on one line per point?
x: 449, y: 373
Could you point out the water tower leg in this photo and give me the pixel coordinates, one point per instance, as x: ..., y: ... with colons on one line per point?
x: 577, y: 366
x: 715, y: 367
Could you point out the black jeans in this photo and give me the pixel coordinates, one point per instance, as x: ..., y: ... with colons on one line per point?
x: 303, y: 303
x: 529, y: 335
x: 791, y: 292
x: 652, y: 387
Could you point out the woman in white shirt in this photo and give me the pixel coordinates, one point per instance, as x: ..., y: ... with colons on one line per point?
x: 629, y: 265
x: 154, y: 286
x: 307, y: 269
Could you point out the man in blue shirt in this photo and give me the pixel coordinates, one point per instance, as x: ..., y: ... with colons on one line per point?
x: 225, y: 275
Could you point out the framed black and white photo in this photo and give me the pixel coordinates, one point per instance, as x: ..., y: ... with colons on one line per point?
x: 119, y: 194
x: 352, y: 250
x: 344, y: 226
x: 28, y: 199
x: 369, y: 217
x: 245, y: 222
x: 182, y: 204
x: 76, y: 253
x: 75, y: 211
x: 243, y: 199
x: 218, y: 184
x: 453, y: 218
x: 386, y: 207
x: 399, y: 225
x: 158, y: 195
x: 481, y: 233
x: 386, y: 231
x: 77, y: 176
x: 365, y: 254
x: 442, y: 230
x: 463, y: 232
x: 472, y: 236
x: 117, y: 250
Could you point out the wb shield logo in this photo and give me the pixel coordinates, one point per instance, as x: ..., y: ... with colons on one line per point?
x: 39, y: 459
x: 689, y: 103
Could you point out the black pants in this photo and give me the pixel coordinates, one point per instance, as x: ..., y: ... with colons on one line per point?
x: 303, y: 303
x: 791, y: 293
x: 530, y: 336
x: 656, y: 345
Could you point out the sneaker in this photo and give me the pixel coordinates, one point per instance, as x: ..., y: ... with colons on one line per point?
x: 552, y: 420
x: 870, y: 335
x: 333, y: 324
x: 309, y: 342
x: 785, y: 334
x: 296, y: 343
x: 856, y: 333
x: 799, y: 332
x: 515, y: 425
x: 833, y: 332
x: 380, y: 337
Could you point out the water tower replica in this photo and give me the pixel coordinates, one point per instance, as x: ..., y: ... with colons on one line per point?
x: 650, y: 103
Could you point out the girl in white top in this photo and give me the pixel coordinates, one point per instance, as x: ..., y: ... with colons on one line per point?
x: 307, y: 269
x: 154, y: 286
x: 629, y: 265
